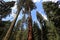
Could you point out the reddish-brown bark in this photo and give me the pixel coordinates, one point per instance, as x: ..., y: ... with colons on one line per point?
x: 30, y: 28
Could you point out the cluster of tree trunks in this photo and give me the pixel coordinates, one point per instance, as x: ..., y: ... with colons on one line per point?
x: 48, y: 28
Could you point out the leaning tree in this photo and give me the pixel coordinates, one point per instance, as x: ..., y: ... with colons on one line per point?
x: 29, y: 6
x: 5, y: 9
x: 19, y: 7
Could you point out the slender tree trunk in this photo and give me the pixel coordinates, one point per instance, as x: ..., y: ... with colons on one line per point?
x: 0, y: 17
x: 41, y: 31
x: 1, y: 22
x: 11, y: 27
x: 29, y: 26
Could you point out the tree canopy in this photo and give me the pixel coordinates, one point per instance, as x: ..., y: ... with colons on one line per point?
x: 5, y: 8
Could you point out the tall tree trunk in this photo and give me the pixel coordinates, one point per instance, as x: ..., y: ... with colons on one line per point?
x: 11, y: 27
x: 29, y: 26
x: 0, y: 19
x: 41, y: 32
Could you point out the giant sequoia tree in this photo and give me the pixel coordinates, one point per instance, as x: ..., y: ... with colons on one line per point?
x: 29, y: 6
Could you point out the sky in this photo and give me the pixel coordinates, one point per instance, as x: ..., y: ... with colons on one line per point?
x: 39, y: 9
x: 51, y: 0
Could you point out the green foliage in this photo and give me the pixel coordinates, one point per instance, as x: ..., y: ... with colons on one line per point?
x: 4, y: 29
x: 25, y: 34
x: 5, y: 8
x: 39, y: 16
x: 43, y: 26
x: 29, y: 4
x: 36, y: 32
x: 51, y: 31
x: 21, y: 34
x: 52, y: 11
